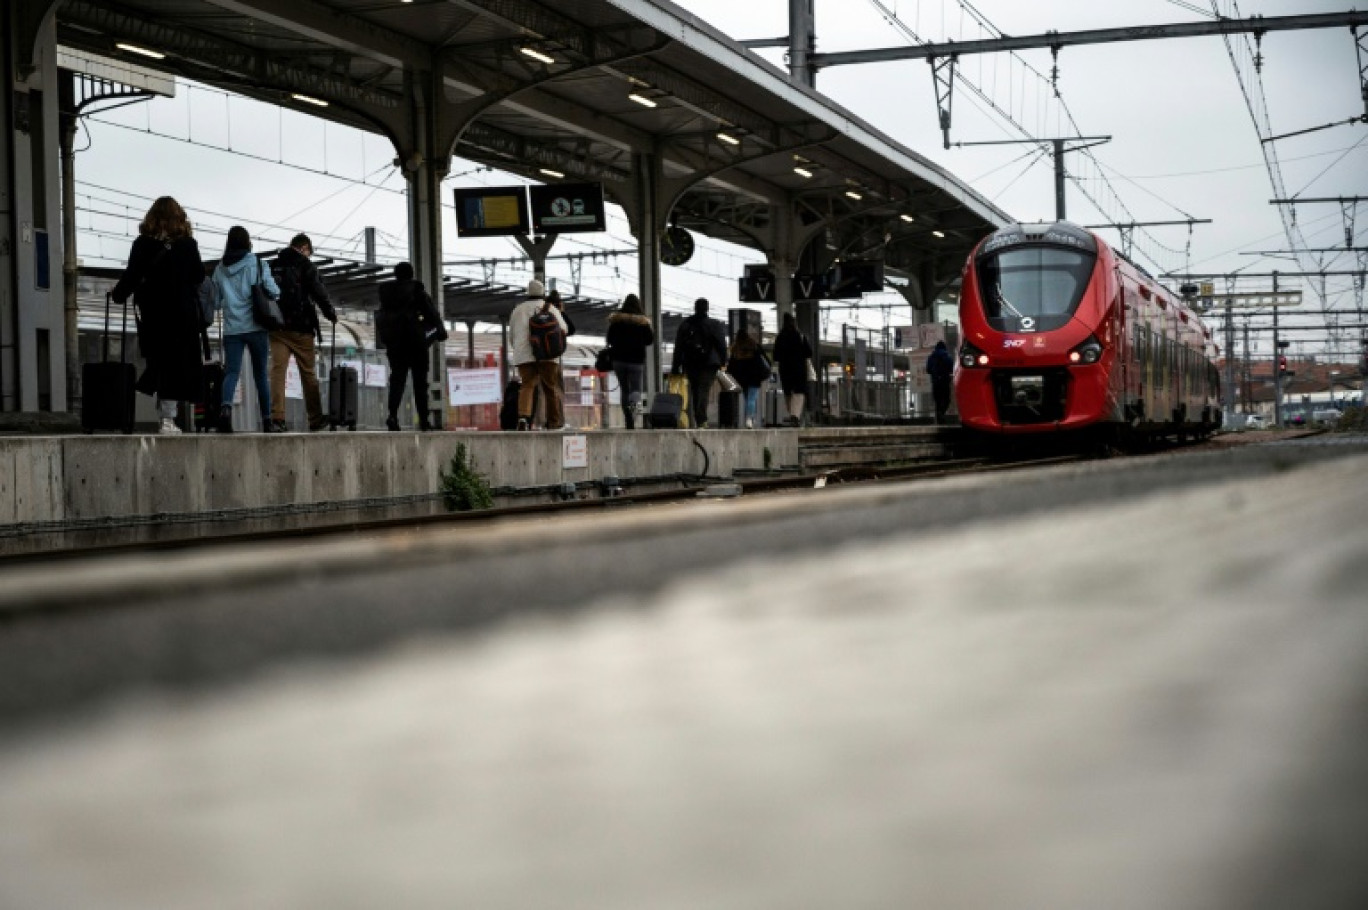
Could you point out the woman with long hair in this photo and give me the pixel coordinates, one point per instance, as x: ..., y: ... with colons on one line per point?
x: 163, y: 274
x: 792, y: 353
x: 749, y: 366
x: 235, y: 275
x: 629, y: 335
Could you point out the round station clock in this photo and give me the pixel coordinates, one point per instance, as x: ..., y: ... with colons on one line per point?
x: 676, y: 246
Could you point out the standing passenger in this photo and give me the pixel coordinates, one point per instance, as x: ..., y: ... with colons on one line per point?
x: 941, y: 366
x: 793, y: 354
x: 747, y: 364
x: 535, y: 373
x: 163, y: 272
x: 300, y: 290
x: 629, y: 335
x: 406, y: 313
x: 700, y: 350
x: 237, y: 272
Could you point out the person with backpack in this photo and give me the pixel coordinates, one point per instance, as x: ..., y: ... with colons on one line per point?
x: 163, y: 276
x: 941, y: 367
x: 302, y: 295
x: 748, y: 365
x: 406, y: 317
x: 700, y: 349
x: 536, y: 337
x: 234, y: 277
x: 629, y: 335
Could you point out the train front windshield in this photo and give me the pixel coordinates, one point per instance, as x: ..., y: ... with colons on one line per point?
x: 1033, y: 287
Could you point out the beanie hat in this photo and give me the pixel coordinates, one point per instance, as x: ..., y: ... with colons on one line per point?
x: 535, y: 288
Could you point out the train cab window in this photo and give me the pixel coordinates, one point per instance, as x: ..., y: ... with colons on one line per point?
x: 1030, y: 287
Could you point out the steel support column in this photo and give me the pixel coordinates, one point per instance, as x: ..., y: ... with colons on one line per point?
x: 33, y: 350
x: 802, y: 42
x: 649, y: 221
x: 425, y: 164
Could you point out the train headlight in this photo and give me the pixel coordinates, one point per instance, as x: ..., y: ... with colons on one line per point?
x: 1089, y: 351
x: 970, y: 357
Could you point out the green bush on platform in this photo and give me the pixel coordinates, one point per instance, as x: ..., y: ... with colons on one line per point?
x: 464, y: 490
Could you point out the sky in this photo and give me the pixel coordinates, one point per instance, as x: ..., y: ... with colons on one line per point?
x: 1184, y: 145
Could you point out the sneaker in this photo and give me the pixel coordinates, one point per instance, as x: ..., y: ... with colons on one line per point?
x: 523, y: 425
x: 168, y: 427
x: 750, y: 425
x: 275, y: 426
x: 316, y: 426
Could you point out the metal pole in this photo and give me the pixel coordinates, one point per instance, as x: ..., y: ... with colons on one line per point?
x: 71, y: 310
x: 1059, y: 179
x: 1277, y: 354
x: 802, y: 42
x: 1230, y: 366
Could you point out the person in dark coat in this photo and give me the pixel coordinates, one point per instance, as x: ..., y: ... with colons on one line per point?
x: 302, y: 295
x: 629, y: 335
x: 792, y: 354
x: 748, y: 365
x: 700, y: 349
x: 405, y: 317
x: 163, y: 275
x: 941, y: 366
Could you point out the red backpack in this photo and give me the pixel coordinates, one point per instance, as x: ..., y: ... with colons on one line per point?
x: 545, y: 334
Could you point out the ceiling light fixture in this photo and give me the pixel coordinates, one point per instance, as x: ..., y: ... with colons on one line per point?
x: 802, y: 172
x: 642, y: 100
x: 729, y: 139
x: 538, y: 55
x: 854, y: 195
x: 908, y: 218
x: 940, y: 234
x: 309, y: 99
x: 550, y: 173
x: 134, y: 49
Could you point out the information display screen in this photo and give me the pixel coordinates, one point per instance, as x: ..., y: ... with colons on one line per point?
x: 487, y: 211
x: 565, y: 208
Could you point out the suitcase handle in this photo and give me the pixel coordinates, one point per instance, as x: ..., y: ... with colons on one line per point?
x: 123, y: 331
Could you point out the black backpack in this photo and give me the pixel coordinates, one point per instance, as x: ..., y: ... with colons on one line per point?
x: 294, y: 307
x: 696, y: 345
x: 545, y: 334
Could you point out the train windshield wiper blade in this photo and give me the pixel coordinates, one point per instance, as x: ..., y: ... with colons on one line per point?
x: 1008, y: 304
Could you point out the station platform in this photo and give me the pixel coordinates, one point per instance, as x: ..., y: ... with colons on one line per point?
x: 48, y: 483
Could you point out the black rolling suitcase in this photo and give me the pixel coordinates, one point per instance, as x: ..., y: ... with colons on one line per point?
x: 207, y: 409
x: 508, y: 411
x: 344, y: 391
x: 107, y: 395
x: 665, y: 410
x: 729, y: 409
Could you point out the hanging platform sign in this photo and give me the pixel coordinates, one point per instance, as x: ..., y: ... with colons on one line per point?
x: 566, y: 208
x: 491, y: 211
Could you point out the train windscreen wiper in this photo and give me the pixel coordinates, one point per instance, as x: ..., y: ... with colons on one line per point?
x: 1002, y: 299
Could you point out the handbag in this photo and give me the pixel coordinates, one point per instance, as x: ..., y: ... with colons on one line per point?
x: 604, y: 361
x: 811, y: 370
x: 207, y: 297
x: 727, y: 382
x: 265, y: 308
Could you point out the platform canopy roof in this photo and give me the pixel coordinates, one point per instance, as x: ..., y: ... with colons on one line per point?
x: 507, y: 106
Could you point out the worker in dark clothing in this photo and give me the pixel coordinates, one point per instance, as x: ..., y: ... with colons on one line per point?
x: 700, y: 349
x: 941, y: 367
x: 406, y: 322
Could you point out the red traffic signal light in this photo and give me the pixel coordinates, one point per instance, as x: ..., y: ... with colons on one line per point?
x: 1282, y: 365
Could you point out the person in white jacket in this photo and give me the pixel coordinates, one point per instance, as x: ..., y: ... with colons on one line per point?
x: 234, y: 276
x: 534, y: 373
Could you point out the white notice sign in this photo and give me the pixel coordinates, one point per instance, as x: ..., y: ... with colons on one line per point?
x: 474, y: 387
x: 294, y: 386
x: 574, y: 451
x: 376, y: 375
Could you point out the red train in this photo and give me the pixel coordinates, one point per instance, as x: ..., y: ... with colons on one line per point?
x: 1061, y: 333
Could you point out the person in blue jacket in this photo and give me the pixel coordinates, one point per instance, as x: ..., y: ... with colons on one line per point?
x: 941, y: 367
x: 234, y: 277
